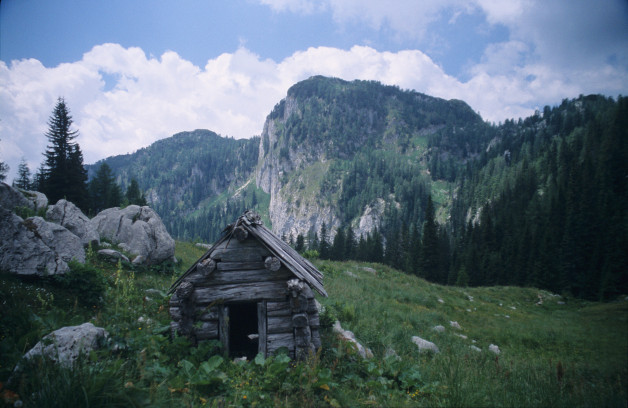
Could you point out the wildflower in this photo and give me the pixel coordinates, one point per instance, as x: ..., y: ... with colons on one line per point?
x: 244, y: 396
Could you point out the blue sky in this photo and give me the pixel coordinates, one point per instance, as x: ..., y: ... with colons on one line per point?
x: 133, y: 72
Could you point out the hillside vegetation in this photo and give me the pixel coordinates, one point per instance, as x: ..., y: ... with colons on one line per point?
x: 538, y: 201
x: 564, y: 352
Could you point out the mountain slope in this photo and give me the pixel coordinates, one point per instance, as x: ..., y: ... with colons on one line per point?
x: 184, y: 175
x: 339, y: 152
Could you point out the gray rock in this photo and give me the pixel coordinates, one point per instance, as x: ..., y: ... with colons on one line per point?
x: 139, y: 260
x: 439, y: 328
x: 36, y: 247
x: 425, y: 345
x: 494, y: 349
x: 138, y: 230
x: 71, y: 217
x: 38, y: 199
x: 10, y: 198
x: 347, y: 335
x: 112, y: 255
x: 455, y: 325
x: 475, y: 348
x: 65, y: 345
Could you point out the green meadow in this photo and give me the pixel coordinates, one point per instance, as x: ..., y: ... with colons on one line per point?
x: 555, y: 351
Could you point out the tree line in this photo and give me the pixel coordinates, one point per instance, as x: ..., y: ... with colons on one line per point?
x: 62, y: 174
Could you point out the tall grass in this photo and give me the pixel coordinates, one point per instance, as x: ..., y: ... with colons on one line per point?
x: 560, y: 355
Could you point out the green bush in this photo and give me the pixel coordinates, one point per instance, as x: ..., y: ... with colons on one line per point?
x: 84, y: 281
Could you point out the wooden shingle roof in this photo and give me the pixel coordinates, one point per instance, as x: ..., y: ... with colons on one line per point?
x: 290, y: 258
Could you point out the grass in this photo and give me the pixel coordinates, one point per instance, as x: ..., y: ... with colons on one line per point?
x: 573, y: 354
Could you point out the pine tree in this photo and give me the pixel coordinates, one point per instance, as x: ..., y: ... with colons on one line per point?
x: 300, y: 244
x: 103, y: 190
x: 323, y: 246
x: 63, y: 173
x: 338, y: 252
x: 134, y: 195
x: 430, y: 257
x: 23, y: 180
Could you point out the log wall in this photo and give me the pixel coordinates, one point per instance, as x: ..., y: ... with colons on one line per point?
x: 245, y: 271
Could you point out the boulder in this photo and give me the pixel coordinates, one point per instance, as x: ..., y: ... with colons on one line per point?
x: 425, y: 345
x: 10, y: 198
x: 439, y: 328
x: 36, y: 247
x: 71, y: 217
x: 38, y: 199
x: 347, y: 335
x: 65, y: 345
x: 112, y: 255
x: 137, y: 230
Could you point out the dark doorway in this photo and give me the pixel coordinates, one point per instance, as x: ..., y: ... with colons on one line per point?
x: 243, y: 330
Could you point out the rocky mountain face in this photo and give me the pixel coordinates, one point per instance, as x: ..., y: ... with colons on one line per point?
x: 311, y: 138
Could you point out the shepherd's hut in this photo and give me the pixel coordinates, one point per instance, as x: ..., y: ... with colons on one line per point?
x: 251, y: 291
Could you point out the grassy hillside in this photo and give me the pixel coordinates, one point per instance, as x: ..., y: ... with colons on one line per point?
x: 553, y: 354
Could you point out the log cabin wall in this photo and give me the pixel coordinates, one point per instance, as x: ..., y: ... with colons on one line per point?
x: 244, y: 271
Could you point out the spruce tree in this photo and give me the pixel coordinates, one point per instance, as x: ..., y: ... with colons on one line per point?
x: 430, y: 257
x: 134, y: 195
x: 23, y: 180
x: 63, y: 173
x: 103, y: 190
x: 323, y: 246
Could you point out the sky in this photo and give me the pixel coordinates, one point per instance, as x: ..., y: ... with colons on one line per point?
x: 133, y: 72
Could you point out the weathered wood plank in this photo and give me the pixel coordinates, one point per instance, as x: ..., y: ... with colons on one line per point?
x: 276, y: 341
x: 234, y: 243
x: 175, y: 313
x: 279, y: 324
x: 207, y: 331
x: 316, y: 338
x: 313, y: 320
x: 237, y: 277
x: 278, y: 308
x: 223, y: 328
x: 245, y: 254
x: 241, y: 292
x: 239, y: 266
x: 262, y: 327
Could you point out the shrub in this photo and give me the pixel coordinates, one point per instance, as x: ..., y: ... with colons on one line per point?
x: 84, y: 281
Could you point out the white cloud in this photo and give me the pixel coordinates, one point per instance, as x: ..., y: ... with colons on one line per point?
x: 122, y: 100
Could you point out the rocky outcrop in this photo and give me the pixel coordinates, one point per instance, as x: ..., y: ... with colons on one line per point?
x: 71, y: 217
x: 65, y: 345
x: 283, y: 168
x: 137, y: 230
x: 36, y: 247
x: 11, y: 198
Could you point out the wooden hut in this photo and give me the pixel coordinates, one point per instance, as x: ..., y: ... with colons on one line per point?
x: 251, y: 291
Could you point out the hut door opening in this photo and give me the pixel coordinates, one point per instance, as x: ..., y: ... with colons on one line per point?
x: 243, y: 330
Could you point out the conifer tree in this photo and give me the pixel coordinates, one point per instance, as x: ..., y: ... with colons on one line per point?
x: 23, y: 180
x: 429, y: 259
x: 323, y: 246
x: 134, y: 195
x: 63, y: 173
x: 103, y: 190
